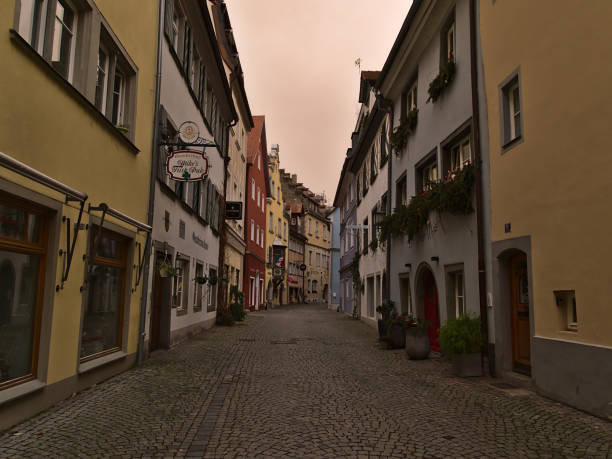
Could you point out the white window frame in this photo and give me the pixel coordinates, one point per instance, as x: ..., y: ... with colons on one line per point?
x: 458, y: 286
x: 73, y: 35
x: 253, y: 189
x: 460, y: 155
x: 105, y: 70
x: 451, y: 41
x: 514, y: 112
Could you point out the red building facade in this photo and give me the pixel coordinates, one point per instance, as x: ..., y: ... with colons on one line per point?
x: 255, y: 216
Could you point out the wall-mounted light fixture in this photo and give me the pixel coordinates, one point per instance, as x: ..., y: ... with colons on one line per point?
x: 408, y: 265
x: 436, y: 259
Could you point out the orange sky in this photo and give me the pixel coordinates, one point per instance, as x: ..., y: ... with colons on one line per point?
x: 298, y: 58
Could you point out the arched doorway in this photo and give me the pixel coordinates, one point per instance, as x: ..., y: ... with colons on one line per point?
x: 428, y: 296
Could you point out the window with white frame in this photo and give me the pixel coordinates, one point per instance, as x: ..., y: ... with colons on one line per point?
x: 253, y: 189
x: 258, y: 196
x: 511, y: 111
x: 180, y: 290
x: 460, y: 155
x: 401, y: 192
x: 285, y: 231
x: 252, y: 230
x: 271, y: 223
x: 427, y: 174
x: 566, y: 302
x: 198, y: 294
x: 409, y: 100
x: 212, y: 290
x: 450, y: 42
x: 64, y: 38
x: 101, y: 80
x: 458, y: 295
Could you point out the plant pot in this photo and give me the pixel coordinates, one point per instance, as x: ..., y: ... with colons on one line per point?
x: 467, y: 365
x: 417, y: 344
x: 164, y: 273
x: 398, y: 337
x: 381, y: 328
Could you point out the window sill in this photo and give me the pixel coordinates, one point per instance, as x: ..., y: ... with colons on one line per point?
x: 512, y: 143
x: 20, y: 390
x: 96, y: 363
x: 181, y: 312
x: 71, y: 90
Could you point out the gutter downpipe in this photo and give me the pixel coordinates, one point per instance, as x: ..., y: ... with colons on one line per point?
x: 478, y: 189
x: 154, y: 167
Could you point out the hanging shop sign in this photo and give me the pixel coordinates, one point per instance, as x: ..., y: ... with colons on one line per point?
x: 187, y: 166
x: 233, y: 210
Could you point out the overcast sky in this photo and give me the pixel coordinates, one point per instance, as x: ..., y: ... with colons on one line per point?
x: 298, y: 58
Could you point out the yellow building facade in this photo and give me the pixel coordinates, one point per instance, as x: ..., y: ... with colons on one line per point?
x: 546, y: 91
x: 77, y: 93
x: 316, y: 250
x: 277, y: 234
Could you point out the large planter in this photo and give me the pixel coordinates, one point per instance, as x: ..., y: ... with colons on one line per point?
x: 381, y: 328
x: 417, y: 343
x: 398, y: 337
x: 467, y: 365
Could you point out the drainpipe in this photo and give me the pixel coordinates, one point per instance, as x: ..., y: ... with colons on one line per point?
x: 478, y: 189
x: 387, y: 107
x: 152, y: 178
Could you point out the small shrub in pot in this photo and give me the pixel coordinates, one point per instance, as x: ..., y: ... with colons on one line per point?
x: 461, y: 341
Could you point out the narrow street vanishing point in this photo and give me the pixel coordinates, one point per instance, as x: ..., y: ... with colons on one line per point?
x: 303, y: 381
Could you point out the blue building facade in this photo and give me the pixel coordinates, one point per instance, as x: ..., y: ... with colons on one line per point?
x: 345, y: 203
x: 334, y: 275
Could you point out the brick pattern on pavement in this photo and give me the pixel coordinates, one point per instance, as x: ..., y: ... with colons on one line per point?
x: 303, y: 381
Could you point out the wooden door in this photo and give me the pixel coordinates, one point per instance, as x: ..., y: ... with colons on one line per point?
x: 521, y: 331
x: 431, y: 309
x: 154, y: 342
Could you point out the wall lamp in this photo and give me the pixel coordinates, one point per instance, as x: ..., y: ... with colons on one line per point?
x: 436, y: 259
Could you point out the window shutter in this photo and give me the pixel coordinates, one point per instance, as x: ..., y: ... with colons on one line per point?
x: 209, y: 200
x: 195, y: 196
x: 216, y: 210
x: 203, y: 200
x: 163, y: 151
x: 168, y: 19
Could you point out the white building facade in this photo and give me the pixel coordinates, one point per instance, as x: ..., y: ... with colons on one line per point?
x: 187, y: 216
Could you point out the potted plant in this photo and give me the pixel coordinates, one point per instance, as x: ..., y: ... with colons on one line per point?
x: 201, y: 279
x: 396, y: 332
x: 166, y: 269
x: 237, y: 304
x: 385, y: 310
x: 461, y: 340
x: 417, y: 338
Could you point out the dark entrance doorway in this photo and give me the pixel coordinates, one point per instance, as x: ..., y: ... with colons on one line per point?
x: 430, y: 305
x: 160, y: 308
x: 519, y: 303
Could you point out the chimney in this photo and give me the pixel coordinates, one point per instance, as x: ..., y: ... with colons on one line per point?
x: 294, y: 178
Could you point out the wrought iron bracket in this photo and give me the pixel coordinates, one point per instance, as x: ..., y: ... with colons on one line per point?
x: 141, y: 258
x: 70, y: 245
x: 97, y: 238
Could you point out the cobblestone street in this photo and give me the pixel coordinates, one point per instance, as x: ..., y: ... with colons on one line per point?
x: 303, y: 381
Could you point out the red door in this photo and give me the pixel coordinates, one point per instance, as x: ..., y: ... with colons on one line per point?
x: 431, y: 309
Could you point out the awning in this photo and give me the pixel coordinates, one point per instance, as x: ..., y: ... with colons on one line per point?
x: 71, y: 195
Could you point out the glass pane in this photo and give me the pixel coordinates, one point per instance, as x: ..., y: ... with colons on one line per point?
x: 515, y: 98
x: 18, y: 290
x: 101, y: 322
x: 19, y: 224
x: 101, y: 80
x: 517, y: 125
x: 109, y: 248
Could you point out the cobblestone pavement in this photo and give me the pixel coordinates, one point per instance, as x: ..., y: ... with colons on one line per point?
x: 303, y: 381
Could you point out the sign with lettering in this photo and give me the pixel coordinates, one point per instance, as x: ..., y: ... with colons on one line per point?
x: 233, y: 210
x: 187, y: 166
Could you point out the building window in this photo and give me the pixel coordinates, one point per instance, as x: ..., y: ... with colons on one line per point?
x: 401, y: 192
x: 511, y: 111
x: 365, y: 236
x: 314, y: 286
x: 62, y: 55
x: 212, y: 290
x: 459, y: 155
x: 285, y: 231
x: 409, y: 100
x: 180, y: 288
x: 450, y: 42
x: 310, y: 257
x: 198, y: 294
x: 23, y: 250
x: 253, y: 189
x: 457, y: 286
x: 258, y: 196
x: 32, y: 21
x: 427, y: 174
x: 566, y: 302
x: 271, y: 223
x: 317, y: 229
x: 103, y: 318
x: 258, y: 161
x: 252, y: 230
x: 101, y: 80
